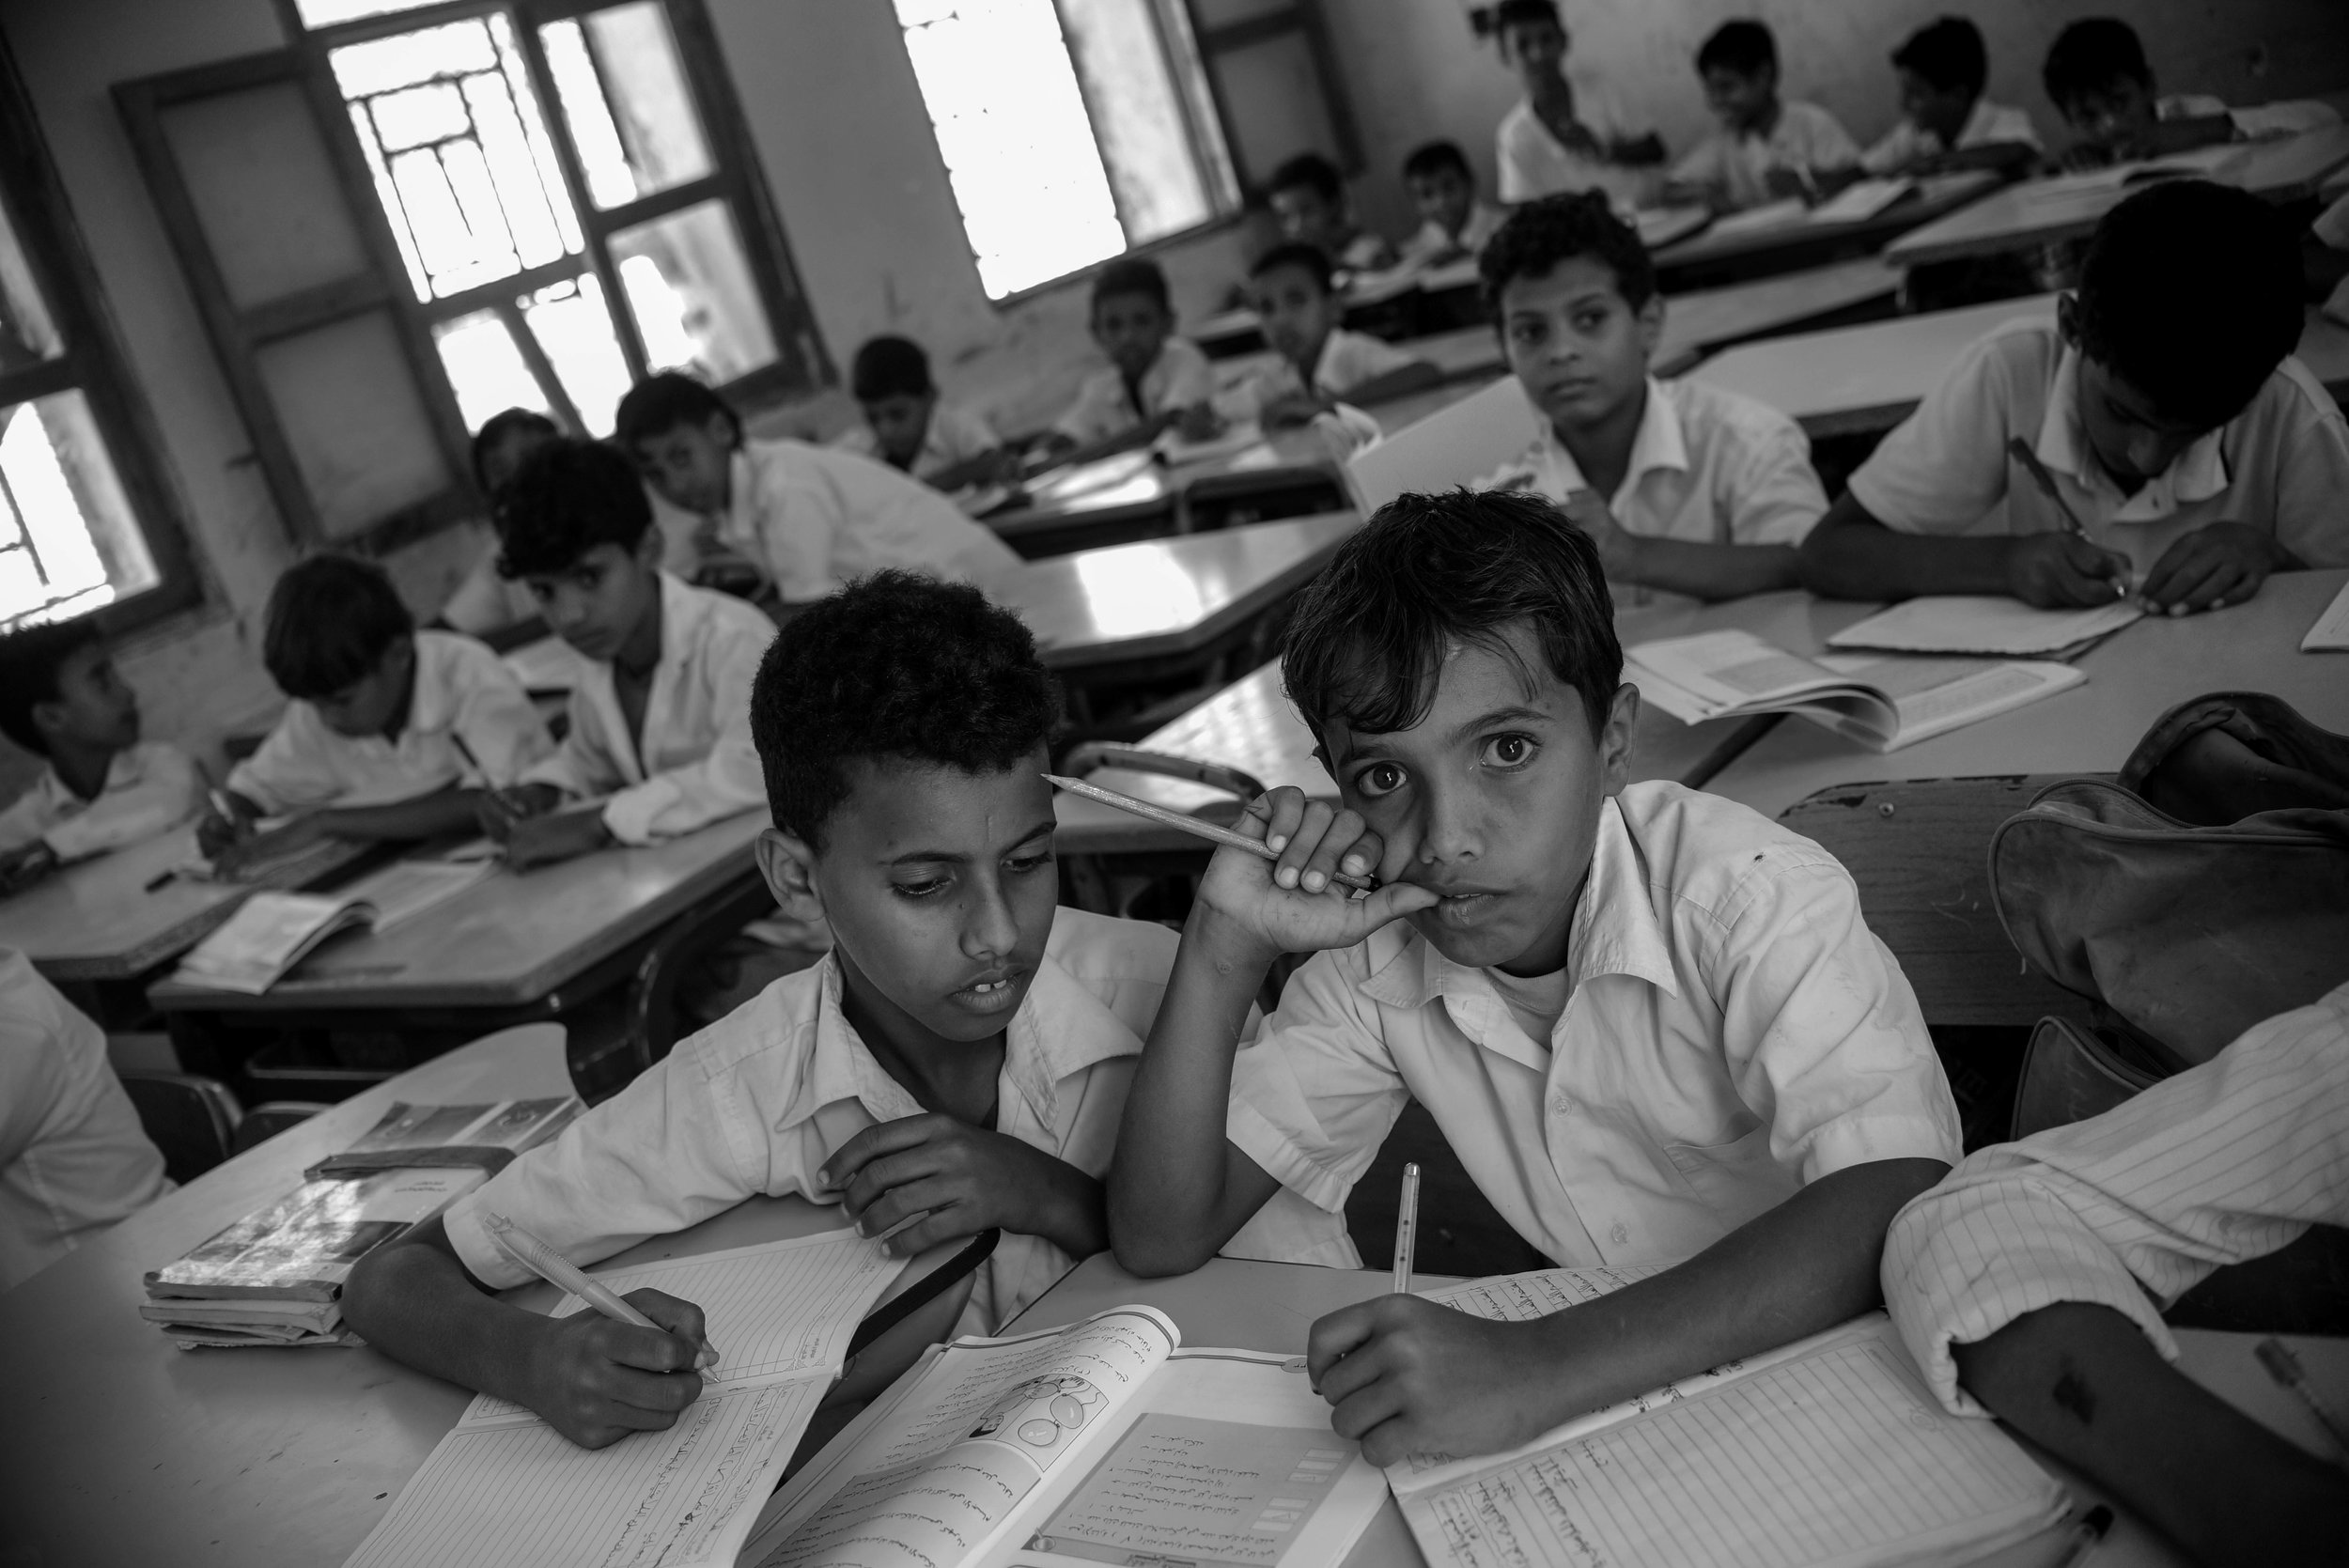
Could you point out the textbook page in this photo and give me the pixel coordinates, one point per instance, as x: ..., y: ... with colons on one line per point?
x: 1837, y: 1456
x: 1933, y: 696
x: 1984, y: 624
x: 2331, y: 630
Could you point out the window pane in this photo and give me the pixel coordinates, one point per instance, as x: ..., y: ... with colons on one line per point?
x: 486, y: 368
x: 690, y: 289
x: 1137, y: 116
x: 68, y: 540
x: 573, y: 327
x: 27, y: 335
x: 325, y: 13
x: 625, y: 99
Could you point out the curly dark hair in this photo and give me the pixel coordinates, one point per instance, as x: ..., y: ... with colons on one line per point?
x: 570, y: 496
x: 1543, y: 233
x: 2091, y: 55
x: 895, y: 665
x: 1134, y: 274
x: 31, y: 660
x: 1297, y: 253
x: 1948, y: 54
x: 331, y: 618
x: 1369, y: 635
x: 659, y: 404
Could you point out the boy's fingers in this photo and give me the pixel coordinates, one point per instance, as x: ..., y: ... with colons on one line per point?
x: 1345, y: 828
x: 901, y: 1203
x: 883, y: 1138
x: 646, y: 1400
x: 1338, y: 1335
x: 1288, y: 808
x: 1361, y: 860
x: 680, y: 1317
x: 1312, y: 828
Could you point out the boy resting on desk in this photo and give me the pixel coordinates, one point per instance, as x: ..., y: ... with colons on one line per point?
x: 809, y: 517
x: 1320, y: 362
x: 660, y: 720
x: 1309, y: 199
x: 1153, y: 381
x: 1651, y: 1023
x: 1946, y: 124
x: 392, y: 733
x: 1454, y: 221
x: 2162, y: 412
x: 1686, y: 490
x: 1768, y: 147
x: 61, y: 698
x: 2097, y: 77
x: 909, y: 427
x: 2036, y: 1276
x: 960, y: 1060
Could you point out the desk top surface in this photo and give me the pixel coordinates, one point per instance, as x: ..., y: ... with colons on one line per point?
x: 96, y: 920
x: 1716, y: 247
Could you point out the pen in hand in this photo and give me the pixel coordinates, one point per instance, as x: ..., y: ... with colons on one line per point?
x: 551, y: 1265
x: 2020, y: 450
x: 1406, y: 1231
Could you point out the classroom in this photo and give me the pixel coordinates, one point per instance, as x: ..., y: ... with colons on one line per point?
x: 1251, y: 784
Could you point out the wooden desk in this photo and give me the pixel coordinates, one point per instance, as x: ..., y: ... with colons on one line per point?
x: 1713, y: 257
x: 2134, y: 676
x: 120, y: 1448
x: 95, y: 920
x: 2046, y: 212
x: 1115, y: 500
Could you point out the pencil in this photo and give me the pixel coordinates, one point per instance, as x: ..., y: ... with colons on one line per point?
x: 2046, y: 481
x: 2284, y: 1367
x: 1197, y: 828
x: 550, y: 1265
x: 1406, y: 1229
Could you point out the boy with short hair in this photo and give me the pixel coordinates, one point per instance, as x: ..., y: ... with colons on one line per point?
x: 959, y: 1060
x: 1652, y: 1023
x: 1155, y: 380
x: 2097, y: 77
x: 392, y: 733
x: 1454, y: 219
x: 484, y: 605
x: 909, y: 427
x: 1565, y: 133
x: 1687, y: 489
x: 2164, y: 402
x: 808, y: 517
x: 1321, y: 363
x: 1946, y: 123
x: 659, y: 721
x: 1308, y: 196
x: 61, y: 698
x: 1767, y: 148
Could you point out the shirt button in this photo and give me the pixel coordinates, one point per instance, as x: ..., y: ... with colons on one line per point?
x: 1621, y: 1234
x: 1561, y: 1103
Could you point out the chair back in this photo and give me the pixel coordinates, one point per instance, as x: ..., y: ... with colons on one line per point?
x: 1452, y: 447
x: 269, y: 1118
x: 192, y: 1119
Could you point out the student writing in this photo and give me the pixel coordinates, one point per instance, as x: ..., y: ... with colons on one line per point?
x: 1652, y: 1024
x: 1768, y: 147
x: 1685, y: 489
x: 911, y: 428
x: 1567, y: 133
x: 1154, y: 380
x: 2097, y: 77
x: 1454, y: 221
x: 1321, y: 363
x: 2164, y: 402
x: 1308, y: 196
x: 1946, y: 123
x: 959, y: 1060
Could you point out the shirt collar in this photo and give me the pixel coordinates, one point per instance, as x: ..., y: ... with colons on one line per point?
x: 2195, y: 474
x: 1658, y: 443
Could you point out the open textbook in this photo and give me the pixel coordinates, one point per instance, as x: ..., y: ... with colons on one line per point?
x: 1827, y: 1451
x: 271, y: 932
x: 1882, y: 703
x: 506, y: 1490
x: 1103, y: 1442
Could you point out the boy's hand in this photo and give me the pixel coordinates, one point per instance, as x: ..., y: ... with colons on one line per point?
x: 300, y: 833
x: 1293, y: 409
x: 1199, y: 422
x: 1268, y: 907
x: 555, y: 836
x: 498, y: 810
x: 596, y: 1381
x: 1408, y: 1376
x: 2217, y: 564
x: 23, y: 866
x: 2056, y: 570
x: 1617, y: 548
x: 960, y: 1180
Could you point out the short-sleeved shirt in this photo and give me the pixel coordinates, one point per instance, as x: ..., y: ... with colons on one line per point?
x: 1347, y: 359
x: 150, y: 785
x: 1535, y: 162
x: 1708, y: 466
x: 759, y: 1100
x: 1429, y: 243
x: 1178, y: 378
x: 1734, y: 1031
x: 470, y: 724
x: 2253, y: 122
x: 1987, y: 125
x: 1738, y: 166
x: 955, y: 435
x: 2281, y: 465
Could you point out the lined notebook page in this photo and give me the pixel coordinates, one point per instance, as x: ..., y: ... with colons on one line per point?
x: 1984, y: 624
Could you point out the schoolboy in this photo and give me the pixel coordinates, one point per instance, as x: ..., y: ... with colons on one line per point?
x: 1946, y: 123
x: 1652, y: 1023
x: 2097, y: 77
x: 961, y: 1056
x: 103, y: 787
x: 1687, y: 489
x: 1767, y: 148
x: 391, y: 733
x: 484, y: 604
x: 808, y: 517
x: 1321, y: 362
x: 1454, y: 221
x: 1154, y: 378
x: 660, y: 720
x: 2164, y: 402
x: 909, y: 427
x: 1565, y: 133
x: 1308, y: 196
x: 2031, y: 1285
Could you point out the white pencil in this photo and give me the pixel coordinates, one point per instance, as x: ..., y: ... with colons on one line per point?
x: 1192, y: 826
x: 1406, y: 1231
x: 551, y: 1265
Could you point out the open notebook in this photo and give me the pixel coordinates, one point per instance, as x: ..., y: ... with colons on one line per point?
x: 271, y: 932
x: 1989, y: 624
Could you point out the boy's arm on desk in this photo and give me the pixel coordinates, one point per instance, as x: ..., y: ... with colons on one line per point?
x: 1851, y: 555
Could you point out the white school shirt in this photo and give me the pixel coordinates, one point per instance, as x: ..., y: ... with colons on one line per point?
x: 1708, y: 466
x: 2224, y: 1162
x: 470, y: 724
x: 1429, y: 243
x: 74, y: 1158
x: 150, y: 785
x: 694, y: 762
x: 757, y: 1102
x: 1535, y: 162
x: 1347, y: 359
x: 1180, y: 377
x: 814, y: 517
x: 1734, y: 1031
x: 2253, y: 122
x: 1987, y: 124
x: 1805, y: 137
x: 954, y: 435
x: 2280, y: 465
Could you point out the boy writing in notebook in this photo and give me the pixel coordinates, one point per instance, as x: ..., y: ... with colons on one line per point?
x: 1946, y: 123
x: 391, y: 733
x: 2097, y: 77
x: 958, y: 1061
x: 1454, y: 221
x: 1154, y: 378
x: 2156, y: 437
x: 660, y: 720
x: 1309, y: 199
x: 1687, y: 489
x: 1652, y: 1023
x: 103, y: 787
x: 1321, y: 363
x: 1767, y: 148
x: 911, y: 428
